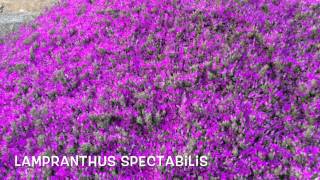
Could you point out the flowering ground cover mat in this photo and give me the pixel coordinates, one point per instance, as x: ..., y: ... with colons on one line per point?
x: 163, y: 89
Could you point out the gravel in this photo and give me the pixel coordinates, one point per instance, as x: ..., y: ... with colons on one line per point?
x: 10, y: 22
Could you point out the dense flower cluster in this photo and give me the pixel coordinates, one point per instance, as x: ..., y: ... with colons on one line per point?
x: 238, y: 81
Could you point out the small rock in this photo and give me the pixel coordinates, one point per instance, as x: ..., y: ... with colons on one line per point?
x: 1, y: 8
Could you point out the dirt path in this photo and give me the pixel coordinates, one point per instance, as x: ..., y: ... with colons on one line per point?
x: 34, y: 6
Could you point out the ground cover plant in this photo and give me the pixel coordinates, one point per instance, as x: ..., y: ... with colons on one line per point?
x: 237, y: 81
